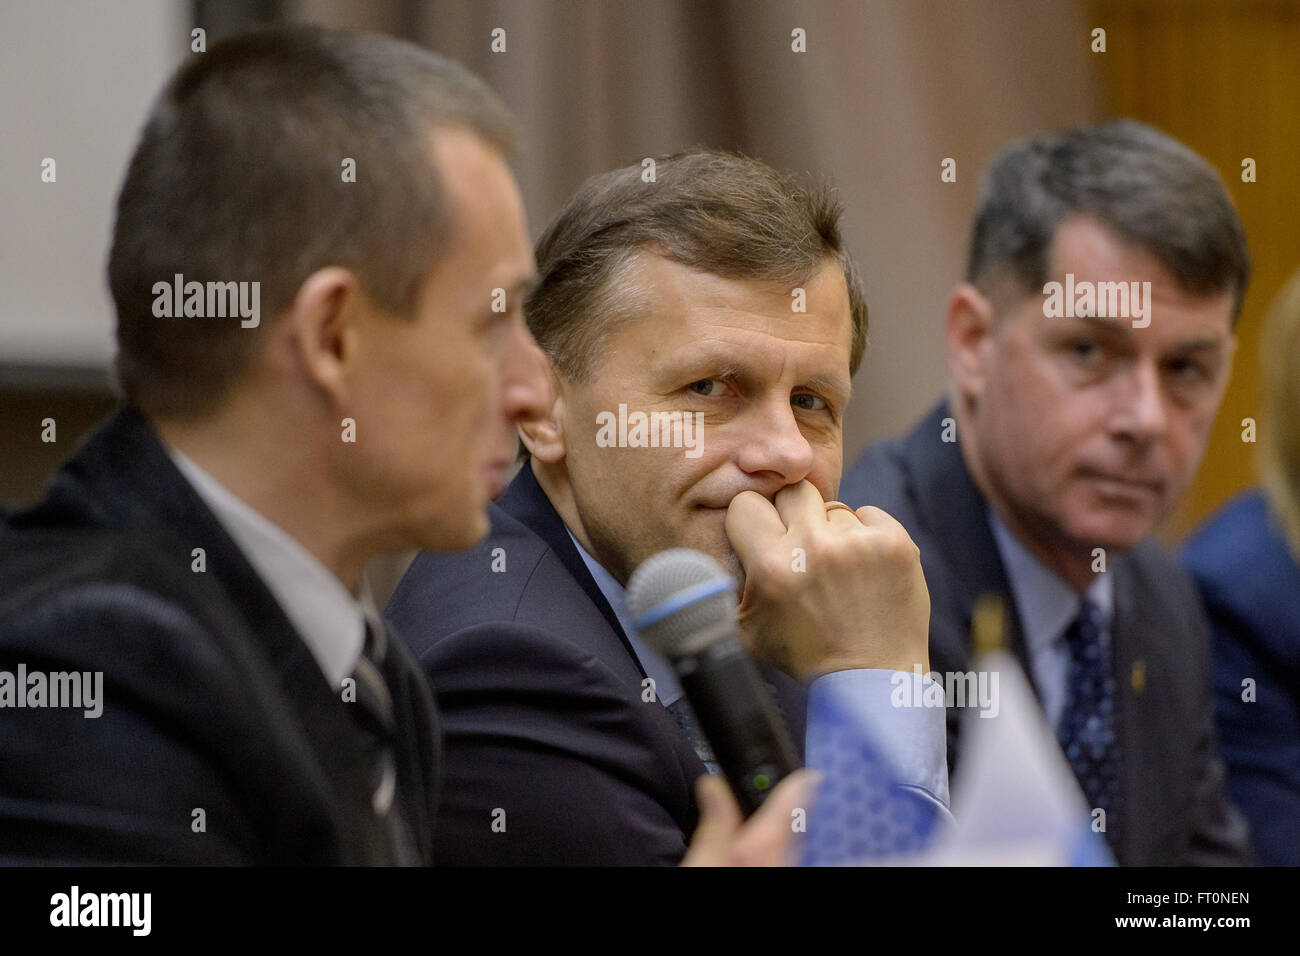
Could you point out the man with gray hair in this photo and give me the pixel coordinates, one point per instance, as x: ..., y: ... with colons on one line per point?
x: 1089, y: 346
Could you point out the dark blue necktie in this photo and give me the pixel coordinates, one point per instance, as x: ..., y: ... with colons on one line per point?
x: 1087, y: 731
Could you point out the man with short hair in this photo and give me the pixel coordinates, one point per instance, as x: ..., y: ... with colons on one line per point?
x: 1089, y: 346
x: 702, y: 331
x: 199, y: 558
x: 203, y: 548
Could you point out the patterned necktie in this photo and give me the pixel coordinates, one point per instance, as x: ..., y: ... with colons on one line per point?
x: 1087, y: 730
x: 684, y: 717
x: 375, y: 711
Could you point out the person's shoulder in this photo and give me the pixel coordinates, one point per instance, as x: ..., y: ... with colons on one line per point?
x: 519, y: 659
x: 512, y: 584
x: 444, y: 591
x: 1246, y: 573
x: 885, y: 473
x: 40, y: 563
x: 1154, y: 574
x: 880, y: 467
x: 117, y: 601
x: 187, y: 710
x: 1227, y: 543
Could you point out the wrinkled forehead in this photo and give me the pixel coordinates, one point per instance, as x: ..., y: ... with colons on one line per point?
x: 685, y: 314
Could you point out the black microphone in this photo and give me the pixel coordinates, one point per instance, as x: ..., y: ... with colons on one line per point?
x: 683, y: 603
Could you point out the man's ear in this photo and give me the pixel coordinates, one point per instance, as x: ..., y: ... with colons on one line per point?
x: 321, y: 329
x: 969, y: 327
x: 543, y: 435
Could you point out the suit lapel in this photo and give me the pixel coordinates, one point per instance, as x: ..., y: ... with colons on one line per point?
x: 951, y: 506
x: 122, y: 478
x: 1127, y: 631
x: 526, y: 502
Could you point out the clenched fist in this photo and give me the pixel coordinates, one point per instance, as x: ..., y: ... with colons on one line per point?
x: 852, y: 596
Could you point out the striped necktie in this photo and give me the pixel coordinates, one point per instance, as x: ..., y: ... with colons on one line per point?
x: 375, y: 713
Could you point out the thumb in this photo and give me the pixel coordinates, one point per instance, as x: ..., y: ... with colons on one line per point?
x: 720, y: 818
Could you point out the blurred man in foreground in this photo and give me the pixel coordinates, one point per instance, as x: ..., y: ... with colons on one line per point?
x: 716, y: 297
x: 313, y: 374
x: 1089, y: 346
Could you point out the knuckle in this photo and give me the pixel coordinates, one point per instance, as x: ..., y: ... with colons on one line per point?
x: 769, y: 573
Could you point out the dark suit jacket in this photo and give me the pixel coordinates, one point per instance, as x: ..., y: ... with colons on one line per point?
x: 544, y: 723
x: 212, y: 701
x: 1251, y: 587
x: 1172, y: 780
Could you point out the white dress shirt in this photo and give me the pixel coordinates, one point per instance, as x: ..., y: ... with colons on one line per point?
x: 330, y: 620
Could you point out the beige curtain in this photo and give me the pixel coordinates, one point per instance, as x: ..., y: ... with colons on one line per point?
x: 885, y: 91
x: 883, y: 94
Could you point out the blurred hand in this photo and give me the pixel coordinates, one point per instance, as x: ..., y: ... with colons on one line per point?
x: 859, y: 601
x: 724, y: 838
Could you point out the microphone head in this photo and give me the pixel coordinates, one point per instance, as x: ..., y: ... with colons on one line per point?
x: 681, y: 601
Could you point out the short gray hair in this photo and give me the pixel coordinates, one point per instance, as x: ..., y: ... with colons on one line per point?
x: 1146, y: 186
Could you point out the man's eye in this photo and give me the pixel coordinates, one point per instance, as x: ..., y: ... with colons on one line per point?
x: 708, y: 386
x: 808, y: 401
x: 1188, y: 370
x: 1085, y: 350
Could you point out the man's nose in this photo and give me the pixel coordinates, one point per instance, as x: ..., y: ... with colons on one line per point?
x: 525, y: 377
x: 774, y: 444
x: 1141, y: 414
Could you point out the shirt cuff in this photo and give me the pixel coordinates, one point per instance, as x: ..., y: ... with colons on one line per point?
x: 903, y: 716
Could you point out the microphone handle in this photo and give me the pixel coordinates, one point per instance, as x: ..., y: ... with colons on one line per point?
x: 736, y: 713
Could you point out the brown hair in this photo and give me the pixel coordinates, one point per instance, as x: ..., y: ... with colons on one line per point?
x: 720, y: 213
x: 238, y: 176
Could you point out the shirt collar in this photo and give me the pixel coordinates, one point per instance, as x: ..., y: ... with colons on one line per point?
x: 667, y: 688
x: 330, y: 621
x: 1047, y: 604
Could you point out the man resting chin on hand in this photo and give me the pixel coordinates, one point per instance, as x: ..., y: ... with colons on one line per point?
x: 692, y: 406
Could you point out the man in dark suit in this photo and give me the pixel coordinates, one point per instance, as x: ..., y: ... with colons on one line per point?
x: 197, y: 562
x: 701, y: 332
x: 1079, y: 413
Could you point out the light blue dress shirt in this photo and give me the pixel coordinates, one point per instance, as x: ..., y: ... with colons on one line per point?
x: 1047, y: 605
x: 911, y: 740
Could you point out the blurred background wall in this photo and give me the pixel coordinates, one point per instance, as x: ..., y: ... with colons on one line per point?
x: 885, y: 92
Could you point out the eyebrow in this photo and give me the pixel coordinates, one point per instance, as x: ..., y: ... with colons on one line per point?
x: 833, y: 385
x: 1121, y: 327
x: 1198, y: 345
x: 1105, y: 324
